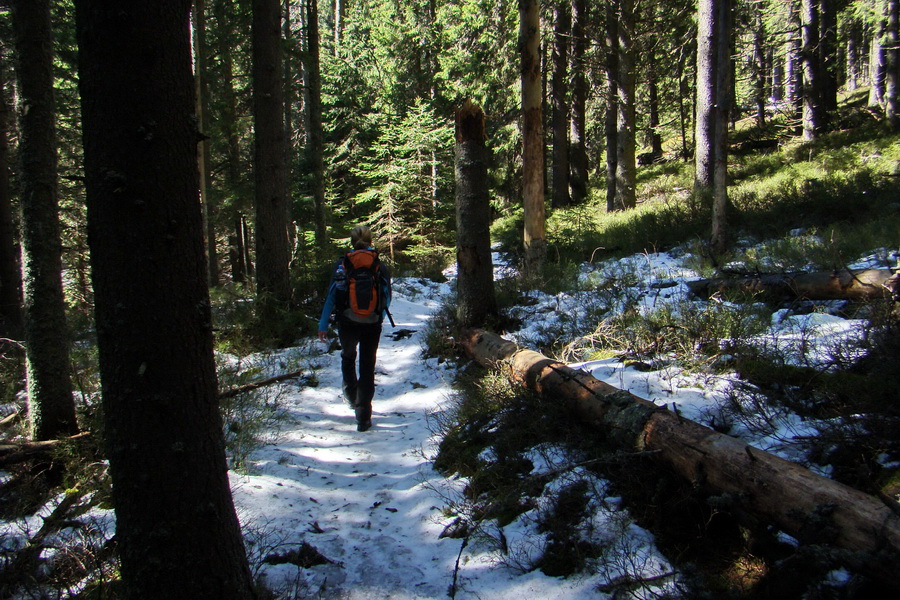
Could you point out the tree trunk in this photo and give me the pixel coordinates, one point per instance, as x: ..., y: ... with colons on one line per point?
x: 232, y: 188
x: 813, y: 119
x: 10, y: 274
x: 779, y: 491
x: 316, y: 136
x: 720, y: 235
x: 475, y: 281
x: 578, y: 158
x: 844, y: 284
x: 612, y: 103
x: 793, y: 72
x: 51, y: 406
x: 177, y: 530
x: 892, y: 65
x: 626, y: 172
x: 201, y: 52
x: 273, y: 250
x: 877, y: 57
x: 532, y: 136
x: 338, y: 25
x: 828, y: 57
x: 559, y: 105
x: 707, y: 65
x: 759, y: 67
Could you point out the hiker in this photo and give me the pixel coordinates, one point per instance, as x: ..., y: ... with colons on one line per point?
x: 359, y: 294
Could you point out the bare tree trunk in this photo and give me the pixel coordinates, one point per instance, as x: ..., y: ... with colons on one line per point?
x: 877, y: 57
x: 707, y: 66
x: 720, y: 236
x: 273, y: 251
x: 177, y: 532
x: 612, y: 103
x: 843, y: 284
x: 578, y: 159
x: 828, y: 57
x: 892, y: 65
x: 779, y: 491
x: 532, y: 136
x: 475, y: 284
x: 813, y: 118
x: 656, y: 150
x: 51, y: 406
x: 559, y: 106
x: 203, y: 159
x: 11, y: 325
x: 626, y: 172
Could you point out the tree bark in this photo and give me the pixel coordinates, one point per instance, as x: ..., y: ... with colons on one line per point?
x: 705, y: 122
x: 828, y: 57
x: 559, y: 106
x: 532, y: 136
x: 273, y: 250
x: 813, y: 118
x: 626, y: 170
x: 720, y: 234
x: 779, y: 491
x: 316, y: 136
x: 51, y: 406
x: 892, y: 64
x: 178, y: 533
x: 844, y: 284
x: 578, y: 158
x: 10, y: 274
x: 877, y: 56
x: 612, y: 103
x: 476, y: 300
x: 201, y: 76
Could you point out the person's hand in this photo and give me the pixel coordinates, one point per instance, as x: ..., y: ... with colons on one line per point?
x: 323, y: 336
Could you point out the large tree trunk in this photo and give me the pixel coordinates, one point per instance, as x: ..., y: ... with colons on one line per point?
x: 535, y: 236
x: 845, y: 284
x: 559, y: 106
x: 626, y: 171
x: 176, y: 527
x: 475, y: 282
x: 10, y: 274
x: 892, y: 65
x: 877, y: 56
x: 316, y: 136
x: 720, y: 234
x: 273, y: 250
x: 705, y: 122
x: 578, y: 158
x: 51, y: 406
x: 779, y: 491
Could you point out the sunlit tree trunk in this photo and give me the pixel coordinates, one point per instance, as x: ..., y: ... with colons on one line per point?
x: 720, y: 235
x: 532, y: 136
x: 316, y: 137
x: 813, y: 117
x: 578, y: 158
x: 653, y: 104
x: 892, y: 64
x: 877, y: 56
x: 559, y: 106
x: 828, y: 56
x: 51, y: 407
x: 273, y: 252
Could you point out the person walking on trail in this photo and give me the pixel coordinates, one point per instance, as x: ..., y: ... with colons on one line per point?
x: 359, y: 295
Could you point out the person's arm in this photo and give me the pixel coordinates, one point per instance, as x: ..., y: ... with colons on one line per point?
x: 326, y: 312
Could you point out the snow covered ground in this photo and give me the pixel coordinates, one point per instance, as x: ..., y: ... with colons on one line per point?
x: 371, y: 504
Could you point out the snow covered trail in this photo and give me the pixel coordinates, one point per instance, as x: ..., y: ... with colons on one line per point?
x: 361, y: 499
x: 370, y: 502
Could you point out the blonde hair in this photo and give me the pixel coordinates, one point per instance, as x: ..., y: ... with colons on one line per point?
x: 361, y: 237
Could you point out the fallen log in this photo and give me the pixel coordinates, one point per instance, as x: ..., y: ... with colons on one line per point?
x: 808, y: 506
x: 18, y: 452
x: 841, y: 284
x: 261, y: 383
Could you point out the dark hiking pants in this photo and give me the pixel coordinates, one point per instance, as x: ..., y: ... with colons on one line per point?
x: 359, y: 339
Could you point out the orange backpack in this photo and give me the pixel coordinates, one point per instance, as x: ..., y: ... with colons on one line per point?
x: 364, y: 294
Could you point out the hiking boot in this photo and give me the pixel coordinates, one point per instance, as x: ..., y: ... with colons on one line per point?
x: 364, y: 425
x: 363, y: 418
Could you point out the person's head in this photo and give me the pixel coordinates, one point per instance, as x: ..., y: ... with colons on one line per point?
x: 361, y: 237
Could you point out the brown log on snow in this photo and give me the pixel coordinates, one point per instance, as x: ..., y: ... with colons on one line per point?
x: 261, y: 383
x: 841, y: 284
x: 774, y: 489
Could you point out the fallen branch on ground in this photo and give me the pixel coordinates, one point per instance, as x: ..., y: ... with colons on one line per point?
x: 258, y: 384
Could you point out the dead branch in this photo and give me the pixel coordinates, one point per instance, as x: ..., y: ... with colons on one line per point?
x: 258, y: 384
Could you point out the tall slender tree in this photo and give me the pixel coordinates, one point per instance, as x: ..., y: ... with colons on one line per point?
x: 201, y: 80
x: 10, y: 274
x: 532, y: 135
x: 177, y: 531
x: 813, y: 97
x: 51, y: 407
x: 273, y: 251
x: 578, y: 157
x: 625, y: 123
x: 612, y: 102
x: 892, y: 64
x: 559, y: 105
x: 316, y: 147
